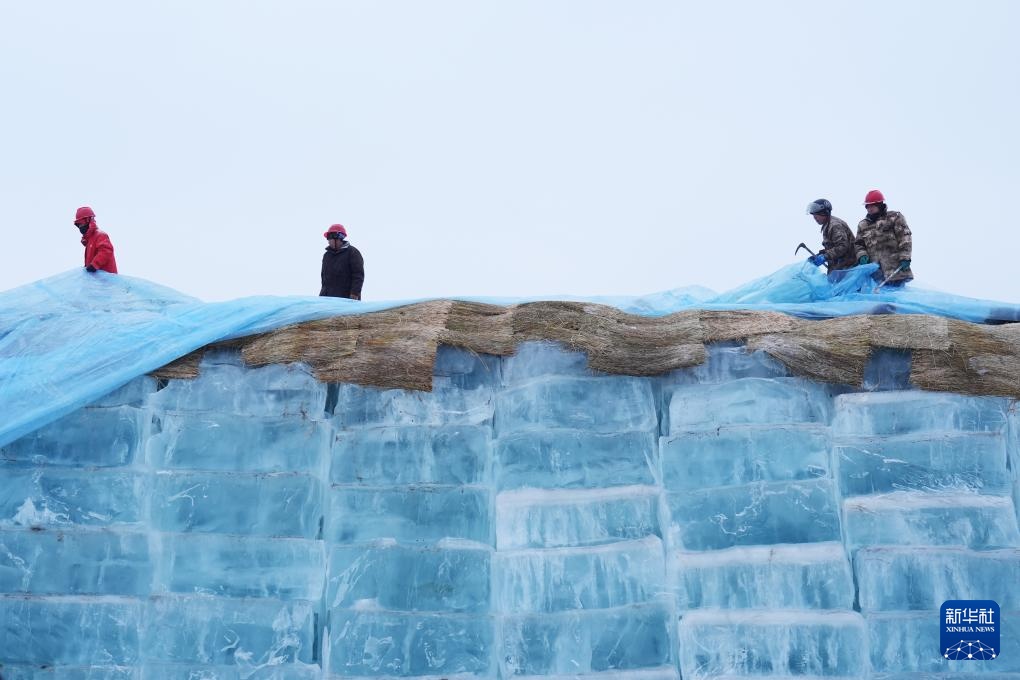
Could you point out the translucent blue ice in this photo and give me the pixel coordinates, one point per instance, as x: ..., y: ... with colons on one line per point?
x: 71, y: 630
x: 569, y: 458
x: 531, y: 518
x: 528, y: 517
x: 809, y: 576
x: 746, y: 401
x: 413, y: 514
x: 227, y: 441
x: 939, y: 462
x: 756, y: 643
x: 755, y: 514
x: 910, y: 518
x: 274, y: 504
x: 904, y: 642
x: 402, y: 454
x: 605, y: 404
x: 590, y: 577
x: 57, y: 497
x: 244, y: 632
x: 100, y: 331
x: 575, y: 643
x: 239, y: 566
x: 893, y: 578
x: 449, y: 576
x: 741, y: 454
x: 401, y: 644
x: 104, y: 562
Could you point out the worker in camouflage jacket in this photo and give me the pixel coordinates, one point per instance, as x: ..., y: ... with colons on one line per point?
x: 837, y: 251
x: 883, y: 237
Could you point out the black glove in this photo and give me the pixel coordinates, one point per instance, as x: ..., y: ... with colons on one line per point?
x: 89, y: 268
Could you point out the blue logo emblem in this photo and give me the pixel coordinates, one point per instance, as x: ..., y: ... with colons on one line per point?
x: 970, y: 630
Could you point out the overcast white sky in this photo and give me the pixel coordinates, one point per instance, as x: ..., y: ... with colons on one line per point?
x: 509, y: 148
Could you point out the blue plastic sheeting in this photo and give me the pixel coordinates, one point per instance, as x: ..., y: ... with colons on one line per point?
x: 70, y: 339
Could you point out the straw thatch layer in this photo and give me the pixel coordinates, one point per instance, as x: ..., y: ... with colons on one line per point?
x: 397, y: 347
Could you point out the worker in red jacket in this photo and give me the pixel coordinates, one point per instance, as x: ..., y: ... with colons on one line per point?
x: 98, y: 249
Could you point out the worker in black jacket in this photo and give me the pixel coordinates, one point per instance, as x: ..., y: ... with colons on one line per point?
x: 343, y: 268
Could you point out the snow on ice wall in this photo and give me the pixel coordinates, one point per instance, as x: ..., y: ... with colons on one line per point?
x: 527, y: 518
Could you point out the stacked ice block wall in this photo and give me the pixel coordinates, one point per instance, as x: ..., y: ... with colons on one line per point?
x: 526, y: 518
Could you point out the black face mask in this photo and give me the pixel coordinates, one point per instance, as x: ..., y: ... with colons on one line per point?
x: 83, y: 228
x: 877, y: 216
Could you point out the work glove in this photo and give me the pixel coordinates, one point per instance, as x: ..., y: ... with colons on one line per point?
x: 817, y: 260
x: 863, y: 260
x: 89, y: 268
x: 904, y: 264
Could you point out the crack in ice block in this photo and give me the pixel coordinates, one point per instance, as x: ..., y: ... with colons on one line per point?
x: 755, y: 514
x: 897, y: 579
x: 60, y: 497
x: 445, y: 405
x: 398, y: 644
x: 905, y: 642
x: 99, y: 437
x: 410, y: 514
x: 583, y: 641
x: 914, y: 518
x: 554, y: 518
x: 804, y: 576
x: 895, y: 413
x: 412, y: 455
x: 240, y: 566
x: 223, y: 631
x: 451, y: 576
x: 772, y: 643
x: 229, y: 442
x: 742, y: 454
x: 958, y: 462
x: 607, y: 404
x: 90, y: 562
x: 273, y: 504
x: 70, y: 629
x: 599, y: 577
x: 575, y: 458
x: 747, y: 401
x: 274, y: 390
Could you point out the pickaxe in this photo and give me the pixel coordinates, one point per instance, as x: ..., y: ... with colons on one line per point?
x: 805, y: 248
x: 886, y: 280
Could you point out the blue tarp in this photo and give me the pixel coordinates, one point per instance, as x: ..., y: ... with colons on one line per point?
x: 70, y: 339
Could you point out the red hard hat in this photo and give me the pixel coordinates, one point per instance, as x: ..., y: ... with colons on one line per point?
x: 874, y: 196
x: 83, y: 212
x: 336, y: 228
